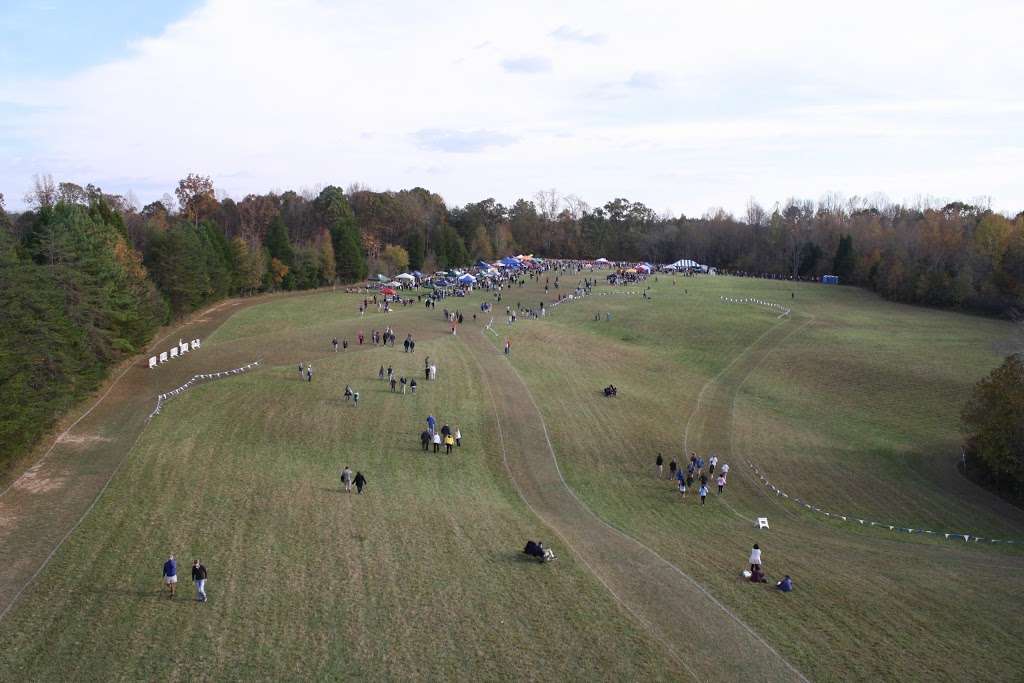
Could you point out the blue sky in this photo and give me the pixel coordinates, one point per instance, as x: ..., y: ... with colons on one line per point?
x: 54, y: 38
x: 684, y: 106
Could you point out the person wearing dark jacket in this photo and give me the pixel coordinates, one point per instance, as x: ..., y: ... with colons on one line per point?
x: 199, y: 578
x: 425, y: 439
x: 360, y: 482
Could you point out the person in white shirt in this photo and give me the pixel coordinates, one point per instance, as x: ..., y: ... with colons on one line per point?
x: 712, y: 462
x: 725, y: 470
x: 755, y: 558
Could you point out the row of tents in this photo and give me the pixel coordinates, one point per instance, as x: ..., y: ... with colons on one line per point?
x: 524, y: 262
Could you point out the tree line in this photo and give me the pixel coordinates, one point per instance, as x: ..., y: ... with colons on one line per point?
x: 87, y: 276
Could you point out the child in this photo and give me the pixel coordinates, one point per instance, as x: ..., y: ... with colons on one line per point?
x: 721, y: 483
x: 703, y: 493
x: 458, y: 437
x: 682, y: 487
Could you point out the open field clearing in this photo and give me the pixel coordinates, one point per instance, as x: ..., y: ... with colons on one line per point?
x: 850, y: 403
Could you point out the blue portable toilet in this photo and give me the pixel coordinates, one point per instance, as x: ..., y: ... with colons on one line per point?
x: 830, y: 279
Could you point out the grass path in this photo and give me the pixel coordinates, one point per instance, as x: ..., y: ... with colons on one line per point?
x: 658, y: 593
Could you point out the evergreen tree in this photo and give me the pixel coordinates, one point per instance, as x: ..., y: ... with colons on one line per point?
x: 350, y: 261
x: 415, y: 246
x: 845, y: 262
x: 277, y: 242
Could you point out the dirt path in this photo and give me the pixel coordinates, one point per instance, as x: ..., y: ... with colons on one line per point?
x: 41, y: 508
x: 703, y: 635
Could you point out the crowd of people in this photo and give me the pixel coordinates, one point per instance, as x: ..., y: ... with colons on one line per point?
x: 695, y: 472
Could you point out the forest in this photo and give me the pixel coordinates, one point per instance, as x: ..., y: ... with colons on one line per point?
x: 86, y: 277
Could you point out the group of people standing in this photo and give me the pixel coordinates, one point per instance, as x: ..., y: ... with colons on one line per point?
x: 694, y: 473
x: 446, y: 436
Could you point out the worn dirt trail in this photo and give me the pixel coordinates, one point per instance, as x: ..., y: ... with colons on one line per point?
x: 703, y: 635
x: 44, y: 505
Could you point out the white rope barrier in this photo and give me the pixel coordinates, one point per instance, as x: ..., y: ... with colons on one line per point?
x: 160, y: 399
x: 948, y: 535
x: 783, y: 311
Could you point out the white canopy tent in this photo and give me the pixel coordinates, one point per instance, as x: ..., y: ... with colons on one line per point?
x: 682, y: 264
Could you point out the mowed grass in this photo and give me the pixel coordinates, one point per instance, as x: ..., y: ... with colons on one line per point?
x: 418, y: 578
x: 851, y: 404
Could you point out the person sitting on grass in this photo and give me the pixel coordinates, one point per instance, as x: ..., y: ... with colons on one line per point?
x: 539, y: 551
x: 786, y: 585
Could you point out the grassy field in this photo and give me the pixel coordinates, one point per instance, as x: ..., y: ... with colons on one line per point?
x: 850, y: 403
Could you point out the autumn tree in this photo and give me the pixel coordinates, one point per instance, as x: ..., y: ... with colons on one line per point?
x: 196, y: 196
x: 396, y: 258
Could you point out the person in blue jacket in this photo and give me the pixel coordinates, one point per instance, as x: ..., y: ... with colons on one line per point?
x: 170, y: 576
x: 786, y: 585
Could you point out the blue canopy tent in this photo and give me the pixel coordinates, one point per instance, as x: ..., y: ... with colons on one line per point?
x: 510, y: 262
x: 483, y: 265
x: 467, y: 279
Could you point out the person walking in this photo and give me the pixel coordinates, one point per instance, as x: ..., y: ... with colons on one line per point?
x: 446, y: 430
x: 302, y: 371
x: 380, y: 373
x: 712, y: 463
x: 703, y: 492
x: 449, y: 441
x: 170, y: 576
x: 437, y: 442
x: 431, y: 423
x: 334, y: 343
x: 659, y: 463
x: 725, y: 470
x: 508, y: 346
x: 309, y: 373
x: 360, y: 481
x: 346, y: 479
x: 199, y: 579
x: 393, y: 382
x: 404, y: 382
x: 458, y: 437
x: 721, y: 483
x: 672, y: 468
x: 412, y: 385
x: 425, y: 440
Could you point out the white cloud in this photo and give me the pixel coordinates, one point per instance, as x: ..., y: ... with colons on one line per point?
x: 677, y: 105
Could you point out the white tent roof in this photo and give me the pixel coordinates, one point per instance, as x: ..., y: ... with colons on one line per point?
x: 405, y: 276
x: 686, y: 263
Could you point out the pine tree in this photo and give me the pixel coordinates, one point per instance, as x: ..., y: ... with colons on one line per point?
x: 350, y: 261
x: 277, y: 242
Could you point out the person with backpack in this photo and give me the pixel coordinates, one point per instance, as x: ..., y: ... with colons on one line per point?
x: 449, y: 441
